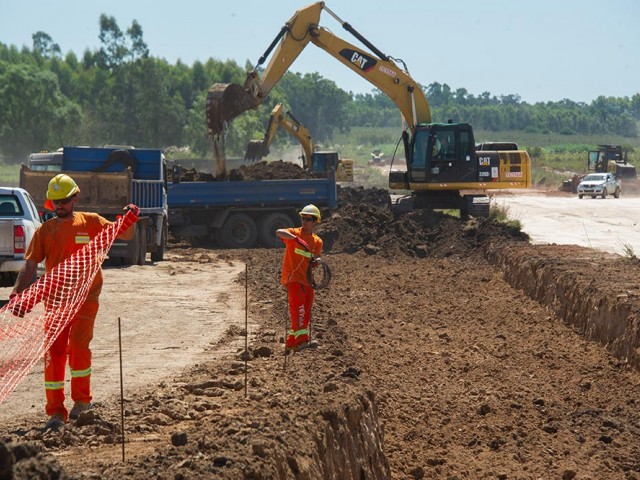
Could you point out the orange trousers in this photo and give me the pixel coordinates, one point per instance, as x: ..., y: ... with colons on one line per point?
x: 73, y: 341
x: 300, y: 301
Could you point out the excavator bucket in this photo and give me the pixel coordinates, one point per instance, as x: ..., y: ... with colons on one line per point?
x: 225, y: 101
x: 255, y: 151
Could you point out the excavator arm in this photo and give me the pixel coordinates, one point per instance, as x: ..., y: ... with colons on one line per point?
x: 227, y: 101
x: 285, y: 120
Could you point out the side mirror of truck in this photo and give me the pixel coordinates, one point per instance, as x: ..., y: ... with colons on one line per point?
x: 44, y: 216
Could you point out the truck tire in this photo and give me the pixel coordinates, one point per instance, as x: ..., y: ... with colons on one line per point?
x: 605, y: 193
x: 8, y: 279
x: 158, y: 254
x: 142, y: 252
x: 267, y: 229
x: 239, y: 231
x: 616, y: 194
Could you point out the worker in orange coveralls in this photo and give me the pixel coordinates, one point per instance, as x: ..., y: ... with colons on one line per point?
x: 55, y: 241
x: 303, y: 248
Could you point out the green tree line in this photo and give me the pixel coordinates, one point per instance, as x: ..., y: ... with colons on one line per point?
x: 120, y: 94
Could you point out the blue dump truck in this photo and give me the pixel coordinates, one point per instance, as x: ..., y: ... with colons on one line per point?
x: 110, y: 178
x: 243, y: 214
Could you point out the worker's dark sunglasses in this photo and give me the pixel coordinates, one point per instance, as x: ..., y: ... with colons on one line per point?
x: 62, y: 201
x: 308, y: 219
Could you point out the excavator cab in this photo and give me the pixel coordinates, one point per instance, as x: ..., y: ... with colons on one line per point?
x: 442, y: 152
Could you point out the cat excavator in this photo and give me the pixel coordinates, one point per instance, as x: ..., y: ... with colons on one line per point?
x: 315, y: 161
x: 443, y: 168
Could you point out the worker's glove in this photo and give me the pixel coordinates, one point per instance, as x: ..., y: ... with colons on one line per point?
x: 302, y: 243
x: 133, y: 208
x: 19, y: 309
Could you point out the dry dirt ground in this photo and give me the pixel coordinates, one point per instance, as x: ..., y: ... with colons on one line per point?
x: 450, y: 349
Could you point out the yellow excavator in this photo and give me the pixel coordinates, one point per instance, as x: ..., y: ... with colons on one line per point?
x: 444, y: 169
x: 315, y: 161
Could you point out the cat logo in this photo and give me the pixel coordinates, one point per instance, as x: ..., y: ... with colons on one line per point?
x: 360, y: 59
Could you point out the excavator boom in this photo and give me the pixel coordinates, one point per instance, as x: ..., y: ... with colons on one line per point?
x: 285, y: 120
x: 442, y: 160
x: 227, y: 101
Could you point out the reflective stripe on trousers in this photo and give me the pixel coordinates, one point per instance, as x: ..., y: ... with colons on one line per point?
x: 300, y: 301
x: 73, y: 342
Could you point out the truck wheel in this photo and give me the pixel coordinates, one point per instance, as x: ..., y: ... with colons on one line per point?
x: 239, y: 231
x: 604, y: 193
x: 158, y: 254
x: 616, y: 194
x: 8, y: 279
x: 268, y: 226
x: 142, y: 252
x: 580, y: 196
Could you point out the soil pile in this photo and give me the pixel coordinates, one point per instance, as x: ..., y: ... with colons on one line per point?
x: 257, y: 171
x: 432, y: 364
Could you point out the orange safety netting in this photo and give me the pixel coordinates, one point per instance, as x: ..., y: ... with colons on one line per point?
x: 23, y: 338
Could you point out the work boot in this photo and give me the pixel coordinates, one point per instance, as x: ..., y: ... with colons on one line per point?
x: 78, y: 408
x: 55, y: 422
x: 310, y: 345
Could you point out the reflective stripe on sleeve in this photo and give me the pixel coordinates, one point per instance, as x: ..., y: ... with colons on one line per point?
x: 304, y: 253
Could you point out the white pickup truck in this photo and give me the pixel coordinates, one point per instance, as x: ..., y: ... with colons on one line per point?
x: 19, y: 219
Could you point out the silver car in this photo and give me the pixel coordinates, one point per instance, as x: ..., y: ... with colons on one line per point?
x: 599, y: 184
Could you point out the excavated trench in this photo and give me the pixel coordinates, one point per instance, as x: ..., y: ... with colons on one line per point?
x: 350, y: 442
x: 570, y: 281
x: 341, y: 419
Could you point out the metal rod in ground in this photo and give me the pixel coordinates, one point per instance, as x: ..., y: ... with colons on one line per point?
x: 286, y: 317
x: 246, y: 324
x: 121, y: 387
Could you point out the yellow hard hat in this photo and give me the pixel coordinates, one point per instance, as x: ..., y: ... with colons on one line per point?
x: 61, y: 186
x: 311, y: 210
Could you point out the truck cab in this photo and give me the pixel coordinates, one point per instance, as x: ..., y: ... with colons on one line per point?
x: 19, y: 219
x: 46, y: 161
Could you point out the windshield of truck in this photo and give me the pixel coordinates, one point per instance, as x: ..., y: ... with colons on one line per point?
x: 9, y: 206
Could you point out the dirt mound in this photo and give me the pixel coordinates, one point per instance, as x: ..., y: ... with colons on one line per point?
x: 365, y: 220
x: 192, y: 175
x: 26, y: 460
x: 444, y: 354
x: 268, y: 171
x: 258, y: 171
x: 377, y: 197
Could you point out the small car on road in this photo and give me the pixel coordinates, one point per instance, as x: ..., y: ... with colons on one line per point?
x: 599, y: 185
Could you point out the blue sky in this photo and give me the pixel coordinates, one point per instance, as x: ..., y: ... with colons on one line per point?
x: 542, y: 50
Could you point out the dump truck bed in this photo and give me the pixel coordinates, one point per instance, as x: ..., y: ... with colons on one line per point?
x: 102, y: 192
x: 262, y: 193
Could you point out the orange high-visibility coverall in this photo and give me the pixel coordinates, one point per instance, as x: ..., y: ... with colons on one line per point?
x: 294, y: 277
x: 55, y: 241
